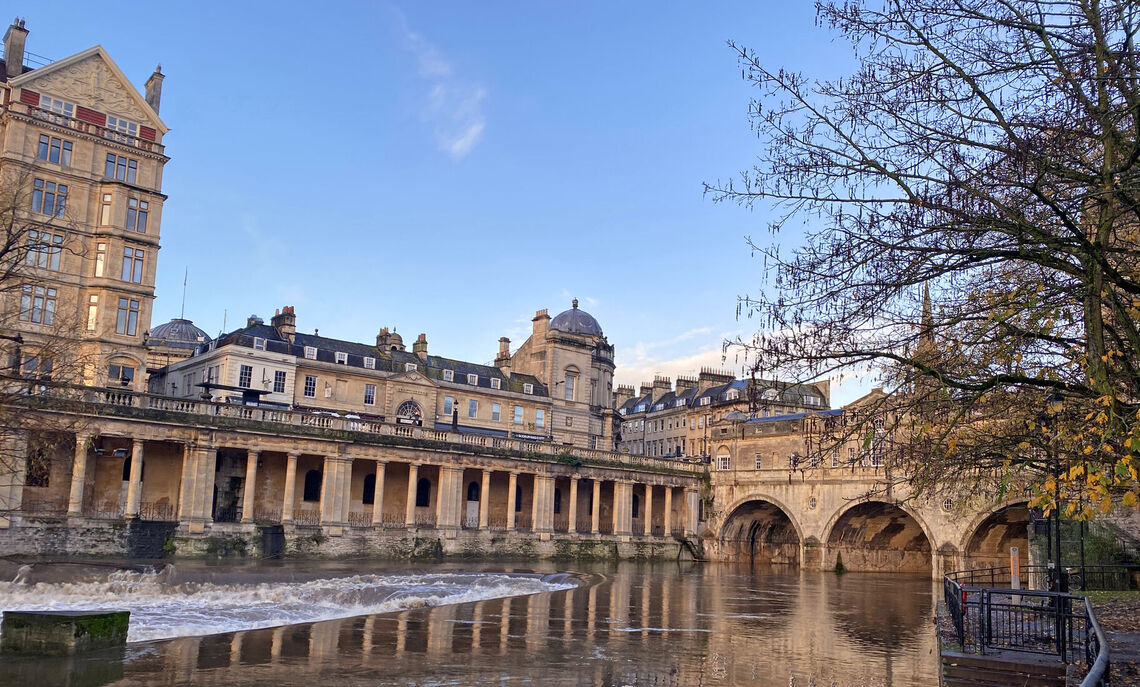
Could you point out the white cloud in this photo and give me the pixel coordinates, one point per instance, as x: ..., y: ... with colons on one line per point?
x: 454, y: 106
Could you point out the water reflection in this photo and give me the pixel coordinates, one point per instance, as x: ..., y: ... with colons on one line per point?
x: 627, y: 625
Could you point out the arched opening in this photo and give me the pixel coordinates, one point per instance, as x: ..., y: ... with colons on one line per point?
x: 990, y: 542
x: 473, y: 491
x: 760, y: 532
x: 369, y: 496
x: 312, y: 486
x: 423, y: 493
x: 878, y: 536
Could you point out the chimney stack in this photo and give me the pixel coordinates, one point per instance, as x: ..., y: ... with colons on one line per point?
x: 645, y: 389
x: 503, y: 358
x: 420, y: 347
x: 662, y: 385
x: 539, y: 324
x: 285, y: 322
x: 154, y: 88
x: 14, y: 40
x: 622, y: 394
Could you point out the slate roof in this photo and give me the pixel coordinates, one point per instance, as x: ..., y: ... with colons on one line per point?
x: 796, y: 416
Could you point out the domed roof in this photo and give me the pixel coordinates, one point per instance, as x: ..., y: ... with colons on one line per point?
x: 178, y: 333
x: 575, y: 321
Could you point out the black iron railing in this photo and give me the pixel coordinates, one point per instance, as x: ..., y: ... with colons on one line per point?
x: 993, y: 616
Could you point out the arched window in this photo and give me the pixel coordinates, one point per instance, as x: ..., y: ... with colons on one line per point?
x: 423, y: 493
x: 312, y: 486
x: 473, y: 491
x: 557, y: 500
x: 369, y: 495
x: 518, y: 498
x: 410, y: 410
x: 636, y: 506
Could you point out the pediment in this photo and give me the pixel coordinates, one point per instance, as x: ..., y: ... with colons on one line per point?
x: 412, y: 377
x: 93, y: 80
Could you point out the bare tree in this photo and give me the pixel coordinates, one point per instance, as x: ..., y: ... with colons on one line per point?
x: 988, y: 150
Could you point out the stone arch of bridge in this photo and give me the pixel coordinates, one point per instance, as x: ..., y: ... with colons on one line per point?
x: 879, y: 535
x: 761, y: 529
x: 986, y: 539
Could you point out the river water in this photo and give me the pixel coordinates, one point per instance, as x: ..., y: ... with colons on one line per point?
x: 357, y: 623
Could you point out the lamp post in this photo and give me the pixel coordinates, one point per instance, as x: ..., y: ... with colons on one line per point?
x: 1058, y: 582
x: 19, y: 340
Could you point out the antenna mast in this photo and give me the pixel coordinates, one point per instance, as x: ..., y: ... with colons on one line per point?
x: 185, y: 277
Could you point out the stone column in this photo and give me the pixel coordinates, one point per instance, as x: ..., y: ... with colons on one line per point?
x: 542, y: 514
x: 205, y: 466
x: 326, y: 508
x: 485, y: 501
x: 345, y: 490
x: 668, y: 511
x: 290, y: 489
x: 78, y: 476
x: 647, y: 510
x: 572, y: 510
x: 512, y: 484
x: 623, y: 507
x: 378, y: 495
x: 186, y: 489
x: 692, y: 513
x: 251, y: 460
x: 446, y: 509
x: 134, y: 489
x: 410, y: 505
x: 596, y: 507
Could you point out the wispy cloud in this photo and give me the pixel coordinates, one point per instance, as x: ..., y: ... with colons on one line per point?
x: 454, y: 105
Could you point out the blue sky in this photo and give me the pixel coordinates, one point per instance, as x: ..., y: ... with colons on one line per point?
x: 451, y: 167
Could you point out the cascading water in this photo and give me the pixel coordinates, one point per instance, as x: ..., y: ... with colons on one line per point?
x: 163, y: 606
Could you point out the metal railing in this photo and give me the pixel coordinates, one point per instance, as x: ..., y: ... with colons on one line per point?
x: 81, y: 126
x: 997, y: 617
x: 163, y: 512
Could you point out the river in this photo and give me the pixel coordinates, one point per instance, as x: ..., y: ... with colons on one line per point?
x: 581, y: 624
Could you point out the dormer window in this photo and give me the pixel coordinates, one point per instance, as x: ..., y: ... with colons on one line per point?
x: 659, y: 406
x: 528, y: 388
x: 623, y: 411
x: 258, y: 343
x: 57, y: 106
x: 732, y: 395
x: 449, y: 375
x: 679, y: 403
x: 410, y: 367
x: 706, y: 400
x: 341, y: 358
x: 496, y: 383
x: 640, y: 408
x: 370, y: 363
x: 123, y: 126
x: 473, y: 380
x: 812, y: 400
x: 311, y: 352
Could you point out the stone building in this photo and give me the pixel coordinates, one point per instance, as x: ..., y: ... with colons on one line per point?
x: 81, y: 162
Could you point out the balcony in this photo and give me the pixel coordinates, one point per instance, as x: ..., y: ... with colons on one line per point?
x: 83, y: 127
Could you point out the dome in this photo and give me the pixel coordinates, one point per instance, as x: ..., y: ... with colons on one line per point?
x: 575, y: 321
x: 178, y: 333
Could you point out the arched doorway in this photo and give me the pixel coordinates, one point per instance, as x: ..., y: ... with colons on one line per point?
x: 760, y: 532
x: 878, y: 536
x: 471, y: 516
x: 989, y: 543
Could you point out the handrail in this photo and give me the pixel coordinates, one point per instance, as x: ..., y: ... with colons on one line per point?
x: 1100, y: 670
x: 113, y: 398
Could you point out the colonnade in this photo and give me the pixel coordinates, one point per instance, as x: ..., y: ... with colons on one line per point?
x: 270, y: 486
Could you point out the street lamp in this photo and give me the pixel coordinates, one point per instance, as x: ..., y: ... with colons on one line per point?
x: 1059, y: 583
x: 19, y: 342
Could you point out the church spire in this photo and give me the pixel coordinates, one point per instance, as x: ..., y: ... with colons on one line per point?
x: 926, y: 327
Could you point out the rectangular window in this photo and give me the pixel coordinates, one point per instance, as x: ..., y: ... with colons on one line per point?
x: 123, y: 126
x: 851, y: 456
x: 570, y: 379
x: 132, y: 265
x: 369, y: 394
x: 369, y: 363
x: 100, y: 259
x: 496, y: 411
x: 137, y: 213
x: 759, y: 461
x: 448, y: 405
x: 245, y: 376
x: 258, y: 343
x: 37, y: 304
x: 105, y: 210
x: 122, y: 375
x: 723, y: 462
x: 835, y: 458
x: 57, y: 106
x: 127, y: 319
x: 540, y: 418
x: 279, y: 382
x: 528, y: 388
x: 44, y: 250
x: 496, y: 383
x: 410, y: 367
x: 310, y: 386
x: 52, y: 149
x: 341, y: 358
x: 49, y: 198
x: 473, y: 409
x: 310, y: 353
x: 448, y: 376
x: 473, y: 380
x: 120, y: 168
x: 518, y: 415
x: 92, y: 313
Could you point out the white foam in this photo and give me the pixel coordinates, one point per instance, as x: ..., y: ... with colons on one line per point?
x: 162, y: 611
